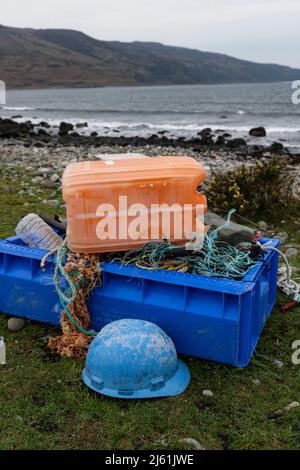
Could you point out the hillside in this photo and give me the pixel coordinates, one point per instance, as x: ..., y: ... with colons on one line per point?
x: 31, y: 58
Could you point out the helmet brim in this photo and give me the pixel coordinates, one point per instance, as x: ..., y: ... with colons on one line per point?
x: 173, y: 387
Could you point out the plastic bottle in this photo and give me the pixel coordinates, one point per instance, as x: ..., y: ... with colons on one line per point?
x: 36, y: 233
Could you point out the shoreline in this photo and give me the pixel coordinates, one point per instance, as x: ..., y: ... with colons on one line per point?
x: 44, y: 135
x: 43, y: 155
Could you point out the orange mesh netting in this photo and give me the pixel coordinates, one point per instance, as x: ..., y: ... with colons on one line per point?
x: 85, y: 273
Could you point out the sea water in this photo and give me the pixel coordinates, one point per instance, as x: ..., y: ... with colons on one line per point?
x: 174, y: 111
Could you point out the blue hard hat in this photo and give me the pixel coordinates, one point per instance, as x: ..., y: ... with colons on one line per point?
x: 134, y: 359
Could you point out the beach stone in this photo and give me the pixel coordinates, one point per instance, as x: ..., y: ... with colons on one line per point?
x: 276, y: 147
x: 36, y: 180
x: 39, y: 145
x: 42, y: 133
x: 44, y: 124
x: 81, y: 124
x: 9, y: 129
x: 54, y: 177
x: 235, y: 143
x: 278, y: 363
x: 16, y: 324
x: 291, y: 252
x: 292, y: 405
x: 258, y: 132
x: 49, y: 184
x: 44, y: 171
x: 65, y: 128
x: 207, y: 393
x: 5, y: 188
x: 263, y: 225
x: 51, y: 202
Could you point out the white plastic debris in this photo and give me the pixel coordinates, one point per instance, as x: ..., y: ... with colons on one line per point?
x: 207, y: 393
x: 278, y: 363
x: 256, y: 382
x: 193, y: 442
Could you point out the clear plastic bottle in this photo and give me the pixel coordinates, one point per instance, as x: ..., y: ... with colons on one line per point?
x: 36, y: 233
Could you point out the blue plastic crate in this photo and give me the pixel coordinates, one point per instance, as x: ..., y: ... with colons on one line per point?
x: 211, y: 318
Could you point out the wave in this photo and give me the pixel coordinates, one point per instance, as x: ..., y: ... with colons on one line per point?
x: 117, y: 111
x: 18, y: 108
x: 95, y: 124
x: 187, y: 126
x: 216, y: 115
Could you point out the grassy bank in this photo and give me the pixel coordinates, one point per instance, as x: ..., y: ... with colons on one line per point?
x: 44, y: 404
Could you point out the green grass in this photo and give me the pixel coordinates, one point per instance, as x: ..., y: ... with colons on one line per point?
x: 44, y: 404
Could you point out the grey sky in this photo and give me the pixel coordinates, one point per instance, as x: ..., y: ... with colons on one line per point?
x: 260, y: 30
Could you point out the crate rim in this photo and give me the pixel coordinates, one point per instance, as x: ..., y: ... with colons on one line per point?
x: 9, y: 246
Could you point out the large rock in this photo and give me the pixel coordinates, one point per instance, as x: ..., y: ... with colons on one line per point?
x: 220, y: 140
x: 42, y: 133
x: 258, y: 132
x: 25, y: 128
x: 9, y: 129
x: 277, y: 147
x: 65, y: 128
x: 206, y: 136
x: 80, y: 125
x: 44, y: 124
x: 236, y: 143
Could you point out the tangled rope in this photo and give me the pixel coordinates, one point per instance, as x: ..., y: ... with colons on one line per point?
x: 215, y: 258
x: 284, y: 281
x: 75, y: 276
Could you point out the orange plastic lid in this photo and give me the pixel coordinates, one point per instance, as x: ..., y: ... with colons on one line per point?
x: 91, y: 172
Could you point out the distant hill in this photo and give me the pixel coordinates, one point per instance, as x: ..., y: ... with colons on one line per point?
x: 37, y: 58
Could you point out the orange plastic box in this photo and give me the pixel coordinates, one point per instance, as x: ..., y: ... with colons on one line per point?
x: 123, y: 204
